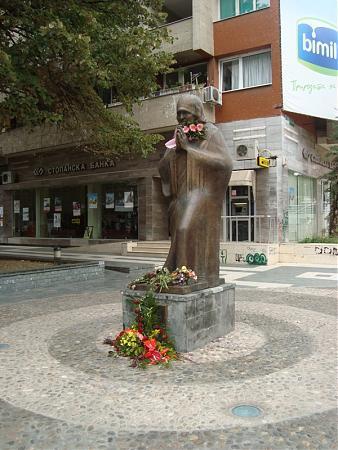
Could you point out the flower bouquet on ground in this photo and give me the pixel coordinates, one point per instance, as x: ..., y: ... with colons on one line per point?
x: 146, y: 342
x: 162, y: 279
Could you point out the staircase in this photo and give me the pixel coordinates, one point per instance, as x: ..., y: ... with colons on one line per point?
x: 148, y: 249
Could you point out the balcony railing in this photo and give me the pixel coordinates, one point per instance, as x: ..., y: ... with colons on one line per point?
x: 158, y: 112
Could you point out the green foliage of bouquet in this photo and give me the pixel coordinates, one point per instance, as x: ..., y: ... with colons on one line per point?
x: 162, y: 279
x: 146, y: 342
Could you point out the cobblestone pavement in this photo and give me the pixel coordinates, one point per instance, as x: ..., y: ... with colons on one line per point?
x: 59, y: 390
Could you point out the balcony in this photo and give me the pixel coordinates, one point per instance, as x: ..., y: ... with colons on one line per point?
x: 182, y: 33
x: 158, y: 113
x: 190, y: 23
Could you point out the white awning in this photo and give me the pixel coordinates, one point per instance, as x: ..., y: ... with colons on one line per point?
x: 244, y: 178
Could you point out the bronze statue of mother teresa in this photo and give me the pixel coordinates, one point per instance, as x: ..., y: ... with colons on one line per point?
x: 195, y: 175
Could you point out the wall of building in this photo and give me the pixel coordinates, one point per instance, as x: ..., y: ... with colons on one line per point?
x: 243, y: 34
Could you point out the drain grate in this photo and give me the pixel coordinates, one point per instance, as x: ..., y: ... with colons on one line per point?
x: 246, y: 411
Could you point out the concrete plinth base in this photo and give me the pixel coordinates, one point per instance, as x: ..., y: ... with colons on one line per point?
x: 192, y: 320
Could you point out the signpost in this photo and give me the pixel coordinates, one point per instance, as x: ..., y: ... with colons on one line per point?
x: 263, y: 162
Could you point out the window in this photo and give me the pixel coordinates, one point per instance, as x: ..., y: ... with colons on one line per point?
x: 231, y: 8
x: 197, y: 74
x: 246, y: 71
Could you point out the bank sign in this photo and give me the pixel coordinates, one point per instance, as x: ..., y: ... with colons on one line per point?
x: 309, y: 39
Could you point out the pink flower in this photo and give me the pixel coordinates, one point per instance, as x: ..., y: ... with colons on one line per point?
x: 140, y: 336
x: 192, y: 127
x: 185, y: 129
x: 199, y: 126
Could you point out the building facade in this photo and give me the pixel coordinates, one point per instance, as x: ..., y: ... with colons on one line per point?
x: 229, y: 53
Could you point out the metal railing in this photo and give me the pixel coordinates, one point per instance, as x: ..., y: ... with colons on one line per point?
x: 257, y: 228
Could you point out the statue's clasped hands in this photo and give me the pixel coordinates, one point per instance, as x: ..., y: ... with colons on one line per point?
x: 181, y: 139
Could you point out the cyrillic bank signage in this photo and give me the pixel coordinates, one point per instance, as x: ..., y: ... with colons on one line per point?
x: 309, y: 39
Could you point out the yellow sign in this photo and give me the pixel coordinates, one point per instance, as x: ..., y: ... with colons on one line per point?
x: 263, y: 162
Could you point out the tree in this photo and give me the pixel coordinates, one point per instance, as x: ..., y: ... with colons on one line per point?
x: 333, y: 179
x: 55, y: 55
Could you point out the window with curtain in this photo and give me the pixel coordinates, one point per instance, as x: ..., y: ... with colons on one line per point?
x: 231, y: 8
x: 246, y: 71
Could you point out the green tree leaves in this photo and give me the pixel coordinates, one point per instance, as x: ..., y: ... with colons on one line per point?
x: 56, y: 55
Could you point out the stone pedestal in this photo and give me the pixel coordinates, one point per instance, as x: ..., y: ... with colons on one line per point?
x: 192, y: 320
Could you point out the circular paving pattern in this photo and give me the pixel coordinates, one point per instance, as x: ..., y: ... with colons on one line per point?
x: 278, y: 359
x: 258, y: 346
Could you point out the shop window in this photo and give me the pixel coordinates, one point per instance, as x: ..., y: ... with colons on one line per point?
x: 246, y: 71
x: 119, y: 212
x: 231, y: 8
x: 24, y: 213
x: 63, y: 212
x: 302, y: 211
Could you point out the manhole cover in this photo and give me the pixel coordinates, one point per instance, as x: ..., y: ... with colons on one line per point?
x: 246, y: 411
x: 4, y: 346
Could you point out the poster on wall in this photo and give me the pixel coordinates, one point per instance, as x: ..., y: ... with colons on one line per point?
x: 310, y: 57
x: 110, y: 200
x: 46, y: 204
x: 76, y: 209
x: 129, y: 200
x: 25, y: 214
x: 57, y: 220
x: 92, y: 201
x: 16, y: 205
x: 119, y: 202
x: 57, y: 204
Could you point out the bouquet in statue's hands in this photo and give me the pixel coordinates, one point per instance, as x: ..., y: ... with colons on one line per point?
x: 193, y: 131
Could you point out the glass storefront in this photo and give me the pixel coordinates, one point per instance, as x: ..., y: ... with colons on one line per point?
x: 99, y: 211
x: 63, y: 212
x: 24, y: 213
x: 302, y: 206
x: 119, y: 212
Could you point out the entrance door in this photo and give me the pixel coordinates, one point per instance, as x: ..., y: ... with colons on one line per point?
x: 240, y: 223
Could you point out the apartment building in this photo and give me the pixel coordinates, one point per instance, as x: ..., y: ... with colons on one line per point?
x: 228, y: 52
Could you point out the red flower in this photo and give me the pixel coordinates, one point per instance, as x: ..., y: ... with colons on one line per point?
x: 150, y: 344
x: 154, y: 356
x: 192, y: 127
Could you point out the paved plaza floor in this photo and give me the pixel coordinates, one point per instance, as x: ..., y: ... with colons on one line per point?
x: 59, y: 390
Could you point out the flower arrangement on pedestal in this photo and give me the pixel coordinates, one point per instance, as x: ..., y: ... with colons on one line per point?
x: 146, y: 342
x: 162, y: 279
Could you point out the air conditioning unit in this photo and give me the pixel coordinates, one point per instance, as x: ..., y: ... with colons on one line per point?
x: 212, y: 95
x: 245, y: 149
x: 7, y: 177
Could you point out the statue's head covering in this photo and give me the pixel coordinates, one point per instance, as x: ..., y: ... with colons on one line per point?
x: 193, y: 104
